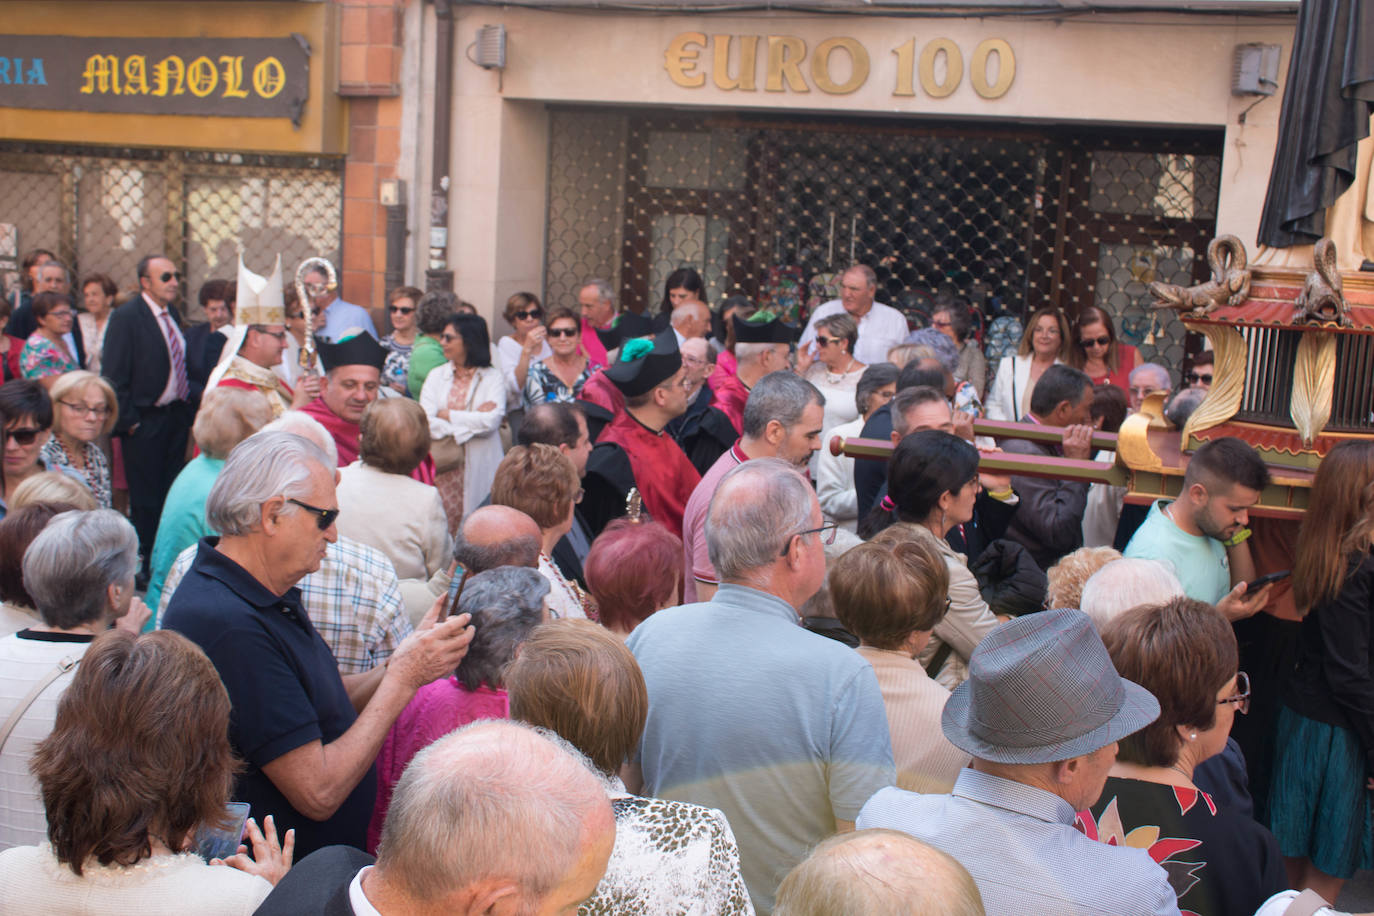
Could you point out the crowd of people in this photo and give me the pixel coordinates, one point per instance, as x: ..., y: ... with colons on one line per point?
x: 303, y: 618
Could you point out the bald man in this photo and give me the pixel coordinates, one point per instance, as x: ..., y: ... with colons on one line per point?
x: 495, y: 536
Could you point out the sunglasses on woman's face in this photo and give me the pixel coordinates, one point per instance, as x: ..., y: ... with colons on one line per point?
x: 527, y: 315
x: 398, y: 310
x: 1095, y: 342
x: 562, y: 332
x: 24, y: 435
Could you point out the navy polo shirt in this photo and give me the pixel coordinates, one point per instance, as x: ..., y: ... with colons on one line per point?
x: 284, y: 685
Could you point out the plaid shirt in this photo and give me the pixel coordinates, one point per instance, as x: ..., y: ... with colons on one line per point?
x: 354, y: 601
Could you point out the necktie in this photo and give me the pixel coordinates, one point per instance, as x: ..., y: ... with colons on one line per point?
x: 178, y: 357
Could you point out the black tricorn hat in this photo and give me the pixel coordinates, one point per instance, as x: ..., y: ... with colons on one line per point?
x: 764, y: 327
x: 627, y: 326
x: 640, y: 370
x: 360, y: 350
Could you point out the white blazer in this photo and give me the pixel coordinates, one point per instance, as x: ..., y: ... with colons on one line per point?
x: 1008, y: 391
x: 479, y: 429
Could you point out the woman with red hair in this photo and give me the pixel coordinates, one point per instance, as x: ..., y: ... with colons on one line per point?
x: 633, y: 569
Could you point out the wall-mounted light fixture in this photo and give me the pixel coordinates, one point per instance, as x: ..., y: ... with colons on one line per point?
x: 491, y: 47
x: 1256, y: 69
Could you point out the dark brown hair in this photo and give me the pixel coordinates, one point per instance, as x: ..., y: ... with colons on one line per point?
x: 578, y: 680
x: 1183, y: 652
x: 520, y: 302
x: 632, y: 569
x: 139, y: 751
x: 1344, y: 528
x: 107, y: 286
x: 1091, y: 315
x: 46, y: 301
x: 539, y: 480
x: 17, y: 531
x: 405, y: 292
x: 889, y: 588
x: 1109, y: 405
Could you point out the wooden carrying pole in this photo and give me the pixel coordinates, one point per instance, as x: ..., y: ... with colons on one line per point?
x: 999, y: 462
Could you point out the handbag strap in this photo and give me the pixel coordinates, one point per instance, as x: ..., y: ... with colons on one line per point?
x: 1306, y: 904
x: 61, y: 668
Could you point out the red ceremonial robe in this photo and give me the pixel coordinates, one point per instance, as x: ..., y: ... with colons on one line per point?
x: 346, y: 436
x: 602, y: 392
x: 730, y: 398
x: 663, y: 474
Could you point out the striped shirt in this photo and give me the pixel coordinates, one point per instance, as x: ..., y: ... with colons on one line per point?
x: 1020, y: 845
x: 353, y: 600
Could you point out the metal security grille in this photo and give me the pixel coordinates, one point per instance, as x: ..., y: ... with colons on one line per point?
x: 776, y: 208
x: 101, y: 210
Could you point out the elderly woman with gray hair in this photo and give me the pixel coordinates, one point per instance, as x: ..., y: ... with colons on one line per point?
x: 928, y: 343
x: 506, y: 603
x: 835, y: 371
x: 79, y: 571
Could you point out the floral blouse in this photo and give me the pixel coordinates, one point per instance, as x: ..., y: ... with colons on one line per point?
x: 1218, y: 862
x: 96, y: 474
x: 42, y: 358
x: 397, y: 362
x: 542, y: 385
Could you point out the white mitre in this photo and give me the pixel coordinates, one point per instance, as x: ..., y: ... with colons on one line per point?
x: 258, y: 301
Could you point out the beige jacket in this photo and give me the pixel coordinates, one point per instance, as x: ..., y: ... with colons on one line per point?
x: 969, y: 618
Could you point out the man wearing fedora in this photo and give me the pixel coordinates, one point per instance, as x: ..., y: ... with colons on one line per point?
x: 1041, y: 714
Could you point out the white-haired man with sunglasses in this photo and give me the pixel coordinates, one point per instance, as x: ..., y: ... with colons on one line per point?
x: 307, y: 735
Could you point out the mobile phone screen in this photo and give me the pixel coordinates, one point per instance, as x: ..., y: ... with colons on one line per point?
x: 1262, y: 581
x: 221, y: 844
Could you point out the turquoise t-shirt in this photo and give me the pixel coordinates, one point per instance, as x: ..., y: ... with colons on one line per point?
x: 1199, y: 562
x: 182, y: 523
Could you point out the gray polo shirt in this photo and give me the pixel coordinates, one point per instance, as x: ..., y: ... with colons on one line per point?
x: 781, y: 729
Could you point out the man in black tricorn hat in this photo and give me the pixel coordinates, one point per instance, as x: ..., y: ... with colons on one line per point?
x: 649, y: 374
x: 353, y: 372
x: 762, y: 345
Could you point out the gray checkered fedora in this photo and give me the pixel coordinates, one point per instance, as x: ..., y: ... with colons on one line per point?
x: 1043, y: 688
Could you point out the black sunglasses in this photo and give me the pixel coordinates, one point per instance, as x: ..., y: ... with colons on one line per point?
x: 562, y: 332
x: 400, y: 310
x: 826, y: 341
x: 1099, y: 341
x: 532, y: 313
x: 323, y: 517
x: 23, y: 435
x: 1194, y: 378
x: 169, y: 274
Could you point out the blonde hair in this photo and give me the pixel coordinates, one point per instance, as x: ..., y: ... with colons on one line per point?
x: 1028, y: 335
x: 1072, y: 572
x: 70, y: 383
x: 878, y: 873
x: 53, y: 487
x: 227, y: 416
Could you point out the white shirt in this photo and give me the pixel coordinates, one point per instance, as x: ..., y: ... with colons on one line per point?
x: 881, y: 329
x: 357, y: 899
x: 23, y: 663
x: 168, y: 329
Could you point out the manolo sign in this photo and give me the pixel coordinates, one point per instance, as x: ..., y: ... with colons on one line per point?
x: 227, y: 77
x: 838, y: 66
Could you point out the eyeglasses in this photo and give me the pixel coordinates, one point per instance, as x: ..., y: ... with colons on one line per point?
x: 1241, y: 699
x: 941, y: 323
x: 61, y: 313
x: 399, y: 310
x: 280, y: 335
x: 1195, y: 377
x: 294, y: 316
x: 1095, y: 341
x: 24, y: 435
x: 169, y: 274
x: 562, y: 332
x: 323, y: 517
x: 827, y: 533
x: 99, y: 413
x: 527, y: 315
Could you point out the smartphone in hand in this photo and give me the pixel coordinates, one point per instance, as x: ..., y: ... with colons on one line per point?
x: 1269, y: 579
x: 221, y: 843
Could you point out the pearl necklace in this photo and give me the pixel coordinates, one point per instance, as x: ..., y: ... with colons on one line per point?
x: 835, y: 378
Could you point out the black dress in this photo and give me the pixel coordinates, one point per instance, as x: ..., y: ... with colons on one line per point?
x: 1219, y: 862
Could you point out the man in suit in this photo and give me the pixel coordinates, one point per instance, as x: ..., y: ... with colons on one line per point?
x: 458, y: 837
x: 145, y: 360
